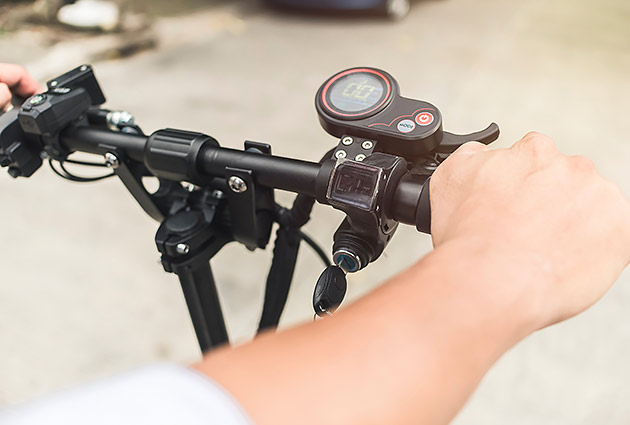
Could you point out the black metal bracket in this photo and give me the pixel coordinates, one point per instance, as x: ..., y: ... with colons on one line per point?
x: 242, y: 205
x: 251, y: 207
x: 190, y: 235
x: 132, y: 179
x: 159, y: 204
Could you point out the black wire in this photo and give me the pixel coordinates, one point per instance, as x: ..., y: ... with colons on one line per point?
x: 91, y: 164
x: 52, y: 167
x: 318, y: 249
x: 84, y: 179
x: 69, y: 176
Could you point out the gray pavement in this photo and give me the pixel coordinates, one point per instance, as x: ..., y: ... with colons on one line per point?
x: 82, y: 294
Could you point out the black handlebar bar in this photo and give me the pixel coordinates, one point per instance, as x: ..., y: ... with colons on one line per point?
x: 409, y: 202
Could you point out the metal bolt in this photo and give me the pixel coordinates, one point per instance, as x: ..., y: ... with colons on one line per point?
x: 117, y: 119
x: 218, y: 194
x: 367, y: 145
x: 360, y: 157
x: 341, y: 154
x: 347, y: 140
x: 53, y: 83
x: 83, y: 68
x: 188, y: 187
x: 237, y: 184
x: 182, y: 248
x: 112, y: 160
x: 38, y: 99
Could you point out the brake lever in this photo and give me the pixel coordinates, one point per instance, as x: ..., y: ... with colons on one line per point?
x: 450, y: 142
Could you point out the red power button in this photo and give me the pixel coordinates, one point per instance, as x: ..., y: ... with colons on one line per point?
x: 424, y: 118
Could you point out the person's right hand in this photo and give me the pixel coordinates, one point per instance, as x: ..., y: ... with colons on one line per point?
x: 547, y: 216
x: 14, y: 79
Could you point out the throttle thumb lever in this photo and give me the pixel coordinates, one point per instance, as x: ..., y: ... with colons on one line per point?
x: 450, y: 142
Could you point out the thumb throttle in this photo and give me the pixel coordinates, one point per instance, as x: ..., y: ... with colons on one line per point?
x: 330, y: 290
x: 450, y: 142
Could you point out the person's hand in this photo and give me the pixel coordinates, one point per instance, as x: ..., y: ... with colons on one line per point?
x: 14, y: 79
x: 545, y: 215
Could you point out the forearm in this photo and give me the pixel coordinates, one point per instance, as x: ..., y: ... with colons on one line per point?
x: 410, y: 352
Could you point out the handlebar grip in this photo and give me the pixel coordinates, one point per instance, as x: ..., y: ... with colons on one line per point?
x: 423, y: 211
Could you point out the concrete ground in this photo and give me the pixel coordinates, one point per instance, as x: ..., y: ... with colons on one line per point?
x: 82, y: 294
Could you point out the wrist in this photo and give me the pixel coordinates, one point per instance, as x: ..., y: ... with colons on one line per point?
x: 501, y: 283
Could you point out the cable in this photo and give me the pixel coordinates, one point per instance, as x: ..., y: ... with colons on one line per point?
x: 318, y: 249
x: 69, y: 176
x: 91, y: 164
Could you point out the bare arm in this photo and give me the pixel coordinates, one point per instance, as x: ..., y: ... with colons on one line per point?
x: 524, y: 238
x: 409, y: 353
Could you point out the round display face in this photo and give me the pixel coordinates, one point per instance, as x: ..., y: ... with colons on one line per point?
x: 356, y: 92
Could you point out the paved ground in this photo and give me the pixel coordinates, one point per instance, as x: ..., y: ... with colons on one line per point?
x: 82, y: 295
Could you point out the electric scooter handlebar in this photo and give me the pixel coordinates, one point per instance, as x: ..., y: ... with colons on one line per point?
x: 378, y: 175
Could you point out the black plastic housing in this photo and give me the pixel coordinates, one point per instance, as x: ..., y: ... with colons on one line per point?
x: 82, y: 76
x: 173, y: 154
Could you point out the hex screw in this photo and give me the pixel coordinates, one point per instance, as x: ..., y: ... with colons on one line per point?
x: 218, y: 194
x: 112, y: 160
x: 341, y: 154
x: 237, y: 184
x: 360, y: 157
x: 347, y: 141
x: 182, y: 248
x: 367, y: 145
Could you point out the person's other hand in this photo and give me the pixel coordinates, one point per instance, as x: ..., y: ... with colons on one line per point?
x: 14, y: 79
x: 550, y: 217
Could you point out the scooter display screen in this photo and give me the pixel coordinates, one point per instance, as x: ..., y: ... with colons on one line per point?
x: 356, y: 93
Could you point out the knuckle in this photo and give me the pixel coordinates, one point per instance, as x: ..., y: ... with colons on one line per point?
x: 538, y: 143
x: 532, y: 135
x: 581, y: 163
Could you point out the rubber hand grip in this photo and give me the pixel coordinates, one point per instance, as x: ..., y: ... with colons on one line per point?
x: 423, y: 210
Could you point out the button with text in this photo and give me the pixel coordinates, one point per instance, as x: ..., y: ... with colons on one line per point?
x: 406, y: 126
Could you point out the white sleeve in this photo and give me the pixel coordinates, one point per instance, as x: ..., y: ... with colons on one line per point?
x: 161, y: 394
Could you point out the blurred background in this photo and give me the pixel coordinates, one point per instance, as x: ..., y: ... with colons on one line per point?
x: 82, y: 293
